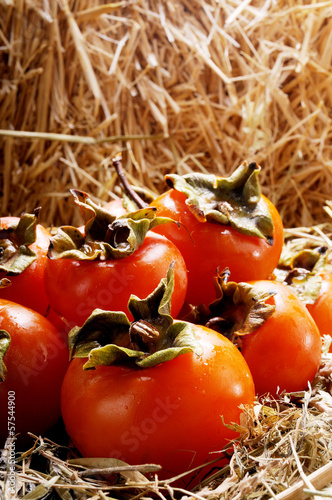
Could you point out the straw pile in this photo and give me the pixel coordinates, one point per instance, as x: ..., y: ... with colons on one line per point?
x: 177, y: 86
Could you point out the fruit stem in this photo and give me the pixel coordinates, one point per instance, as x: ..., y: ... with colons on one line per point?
x: 117, y: 164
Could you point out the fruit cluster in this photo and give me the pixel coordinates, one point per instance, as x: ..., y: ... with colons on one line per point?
x: 148, y: 328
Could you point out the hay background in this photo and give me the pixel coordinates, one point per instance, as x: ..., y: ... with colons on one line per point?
x: 217, y: 82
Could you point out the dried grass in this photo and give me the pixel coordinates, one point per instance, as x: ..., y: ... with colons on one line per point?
x: 177, y: 86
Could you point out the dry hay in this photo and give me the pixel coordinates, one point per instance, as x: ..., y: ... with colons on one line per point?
x: 176, y: 85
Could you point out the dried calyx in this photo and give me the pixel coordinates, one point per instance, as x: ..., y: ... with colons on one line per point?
x: 301, y: 270
x: 152, y: 338
x: 15, y: 239
x: 105, y: 235
x: 235, y: 200
x: 239, y: 308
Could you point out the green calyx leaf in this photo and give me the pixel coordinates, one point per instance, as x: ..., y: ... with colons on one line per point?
x: 15, y: 254
x: 155, y: 309
x: 153, y: 337
x: 4, y: 345
x: 100, y: 329
x: 300, y: 269
x: 106, y: 236
x: 235, y: 200
x: 239, y: 308
x: 155, y: 328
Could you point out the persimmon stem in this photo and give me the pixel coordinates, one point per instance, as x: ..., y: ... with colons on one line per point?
x: 144, y: 336
x: 117, y: 164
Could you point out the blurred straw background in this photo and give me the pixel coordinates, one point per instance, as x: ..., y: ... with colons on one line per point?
x: 176, y: 86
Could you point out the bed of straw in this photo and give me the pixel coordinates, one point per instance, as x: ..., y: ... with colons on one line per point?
x: 175, y: 86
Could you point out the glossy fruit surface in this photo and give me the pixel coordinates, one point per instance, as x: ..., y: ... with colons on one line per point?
x: 115, y: 207
x: 36, y: 361
x: 321, y: 310
x: 170, y: 414
x: 206, y: 246
x: 75, y: 288
x: 28, y: 287
x: 284, y: 353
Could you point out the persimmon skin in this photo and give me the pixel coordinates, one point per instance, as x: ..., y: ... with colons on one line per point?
x: 321, y: 310
x: 36, y: 362
x: 115, y: 207
x: 28, y: 288
x: 283, y: 354
x: 170, y: 414
x: 206, y: 246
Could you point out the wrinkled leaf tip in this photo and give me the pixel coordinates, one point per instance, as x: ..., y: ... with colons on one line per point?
x: 269, y: 240
x: 254, y: 166
x: 34, y: 216
x: 225, y: 273
x: 50, y: 250
x: 79, y: 195
x: 36, y: 213
x: 322, y: 250
x: 222, y: 276
x: 87, y: 366
x: 170, y: 268
x: 169, y: 181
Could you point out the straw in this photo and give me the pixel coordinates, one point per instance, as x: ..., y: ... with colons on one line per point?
x: 176, y: 86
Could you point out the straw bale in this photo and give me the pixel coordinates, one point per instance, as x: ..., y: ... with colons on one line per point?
x: 176, y: 86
